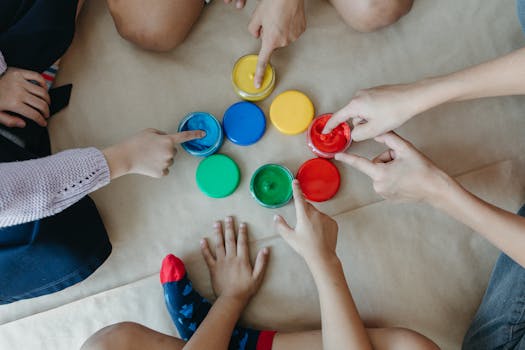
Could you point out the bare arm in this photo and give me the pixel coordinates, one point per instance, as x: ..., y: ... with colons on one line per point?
x: 503, y: 229
x: 402, y: 173
x: 216, y: 329
x: 315, y: 238
x: 381, y: 109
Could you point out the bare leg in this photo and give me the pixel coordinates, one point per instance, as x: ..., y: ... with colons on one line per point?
x: 158, y: 25
x: 132, y: 336
x: 382, y: 339
x: 370, y: 15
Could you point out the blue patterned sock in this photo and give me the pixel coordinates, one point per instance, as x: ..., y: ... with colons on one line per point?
x: 188, y: 308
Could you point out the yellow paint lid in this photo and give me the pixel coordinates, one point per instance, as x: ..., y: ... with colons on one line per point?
x: 291, y: 112
x: 243, y: 75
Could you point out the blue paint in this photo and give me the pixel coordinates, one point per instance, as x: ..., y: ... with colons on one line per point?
x: 244, y: 123
x: 210, y: 143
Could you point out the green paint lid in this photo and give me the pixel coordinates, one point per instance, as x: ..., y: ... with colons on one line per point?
x: 218, y: 176
x: 271, y: 185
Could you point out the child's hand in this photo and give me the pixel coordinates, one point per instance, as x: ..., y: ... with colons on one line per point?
x: 149, y: 153
x: 231, y: 272
x: 315, y: 234
x: 278, y: 23
x: 401, y: 173
x: 238, y: 3
x: 18, y: 95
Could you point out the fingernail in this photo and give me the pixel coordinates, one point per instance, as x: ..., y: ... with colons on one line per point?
x: 216, y: 224
x: 229, y: 218
x: 202, y: 133
x: 257, y: 85
x: 239, y: 4
x: 265, y: 251
x: 243, y: 224
x: 20, y: 124
x: 295, y: 182
x: 276, y: 218
x: 202, y: 242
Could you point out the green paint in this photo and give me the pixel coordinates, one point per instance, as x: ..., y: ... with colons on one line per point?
x: 218, y: 176
x: 271, y: 185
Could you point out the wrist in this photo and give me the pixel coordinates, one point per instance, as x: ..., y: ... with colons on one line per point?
x: 236, y: 301
x: 432, y: 92
x: 322, y: 261
x: 118, y: 162
x: 441, y: 189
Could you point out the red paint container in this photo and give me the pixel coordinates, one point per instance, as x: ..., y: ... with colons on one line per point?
x: 327, y: 145
x: 319, y: 179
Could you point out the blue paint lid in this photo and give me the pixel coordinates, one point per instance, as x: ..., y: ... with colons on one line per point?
x: 244, y: 123
x: 210, y: 143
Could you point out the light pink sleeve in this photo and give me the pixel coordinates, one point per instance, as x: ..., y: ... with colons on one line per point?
x: 35, y: 189
x: 3, y: 65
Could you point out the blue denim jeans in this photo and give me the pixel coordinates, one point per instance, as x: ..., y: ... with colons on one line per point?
x: 520, y: 7
x: 500, y: 320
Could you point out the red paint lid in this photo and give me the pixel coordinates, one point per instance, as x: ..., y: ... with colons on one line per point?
x: 319, y: 179
x: 327, y: 145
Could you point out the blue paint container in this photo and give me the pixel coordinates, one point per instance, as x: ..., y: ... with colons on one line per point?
x: 210, y: 143
x: 244, y: 123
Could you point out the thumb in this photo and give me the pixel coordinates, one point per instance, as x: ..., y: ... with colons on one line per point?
x: 363, y: 131
x: 283, y: 228
x: 184, y: 136
x: 261, y: 262
x: 394, y: 141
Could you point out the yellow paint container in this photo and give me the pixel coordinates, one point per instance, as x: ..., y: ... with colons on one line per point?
x: 243, y: 75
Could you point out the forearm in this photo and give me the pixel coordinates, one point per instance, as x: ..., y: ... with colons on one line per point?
x: 503, y: 229
x: 216, y: 329
x: 503, y: 76
x: 342, y: 327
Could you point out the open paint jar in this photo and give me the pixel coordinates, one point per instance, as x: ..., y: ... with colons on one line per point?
x: 271, y: 185
x: 319, y: 179
x: 291, y: 112
x: 210, y: 143
x: 327, y: 145
x: 243, y: 76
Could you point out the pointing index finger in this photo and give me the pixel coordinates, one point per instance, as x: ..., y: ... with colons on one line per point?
x: 187, y: 136
x: 262, y: 62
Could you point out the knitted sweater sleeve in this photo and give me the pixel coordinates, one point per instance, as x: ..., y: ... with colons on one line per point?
x: 35, y: 189
x: 3, y: 65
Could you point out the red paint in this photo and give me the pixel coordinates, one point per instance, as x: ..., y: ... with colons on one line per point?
x: 265, y: 340
x: 327, y: 145
x: 319, y: 179
x: 172, y: 269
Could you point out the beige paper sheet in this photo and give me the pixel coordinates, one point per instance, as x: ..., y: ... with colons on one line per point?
x: 406, y: 264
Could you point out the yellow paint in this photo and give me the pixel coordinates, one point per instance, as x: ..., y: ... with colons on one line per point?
x: 291, y: 112
x: 243, y: 75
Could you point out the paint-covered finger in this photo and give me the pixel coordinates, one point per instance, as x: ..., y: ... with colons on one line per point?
x: 262, y: 62
x: 339, y: 117
x: 189, y: 135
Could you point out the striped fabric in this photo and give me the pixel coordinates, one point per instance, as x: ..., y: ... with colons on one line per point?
x: 3, y: 65
x: 49, y: 75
